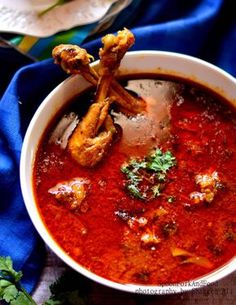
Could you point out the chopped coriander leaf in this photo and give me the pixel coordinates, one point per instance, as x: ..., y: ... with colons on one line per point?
x: 23, y: 299
x: 156, y: 190
x: 161, y: 162
x: 131, y: 175
x: 70, y: 289
x: 6, y: 269
x: 134, y: 190
x: 150, y: 171
x: 161, y: 177
x: 10, y: 288
x: 136, y: 164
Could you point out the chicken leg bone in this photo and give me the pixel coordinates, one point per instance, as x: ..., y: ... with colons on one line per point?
x: 93, y: 135
x: 75, y: 60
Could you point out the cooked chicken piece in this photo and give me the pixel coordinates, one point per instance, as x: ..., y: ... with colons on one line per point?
x: 71, y: 193
x: 75, y: 60
x: 207, y: 181
x: 209, y: 184
x: 114, y: 49
x: 93, y: 135
x: 149, y: 238
x: 197, y: 197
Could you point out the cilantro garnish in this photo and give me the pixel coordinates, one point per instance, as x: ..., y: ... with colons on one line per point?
x: 134, y: 190
x: 10, y: 289
x: 145, y: 177
x: 160, y: 162
x: 156, y: 190
x: 134, y: 179
x: 70, y: 289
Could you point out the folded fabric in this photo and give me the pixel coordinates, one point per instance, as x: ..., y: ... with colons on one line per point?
x: 205, y: 29
x: 41, y: 48
x: 191, y: 27
x: 18, y: 238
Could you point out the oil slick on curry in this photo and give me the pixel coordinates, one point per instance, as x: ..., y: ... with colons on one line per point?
x: 136, y: 180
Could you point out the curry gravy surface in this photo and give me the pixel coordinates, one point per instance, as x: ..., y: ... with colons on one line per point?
x: 198, y: 128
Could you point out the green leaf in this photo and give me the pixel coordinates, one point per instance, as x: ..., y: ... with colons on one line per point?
x: 10, y: 293
x: 147, y: 172
x: 4, y: 284
x: 156, y: 190
x: 10, y: 288
x: 138, y: 164
x: 22, y: 299
x: 6, y: 268
x: 5, y: 263
x: 161, y: 162
x: 134, y: 190
x: 161, y: 177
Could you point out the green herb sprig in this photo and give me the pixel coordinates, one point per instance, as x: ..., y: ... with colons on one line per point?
x: 10, y: 289
x: 160, y: 162
x: 70, y: 289
x: 151, y: 170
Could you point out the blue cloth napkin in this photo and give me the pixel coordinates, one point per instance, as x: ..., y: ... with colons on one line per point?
x: 203, y: 28
x: 18, y: 238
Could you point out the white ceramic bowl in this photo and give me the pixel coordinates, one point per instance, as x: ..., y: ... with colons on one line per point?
x: 165, y: 63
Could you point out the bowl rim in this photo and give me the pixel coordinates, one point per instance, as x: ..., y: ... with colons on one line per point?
x: 37, y: 221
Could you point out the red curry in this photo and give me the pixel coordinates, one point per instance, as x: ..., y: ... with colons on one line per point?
x: 187, y: 229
